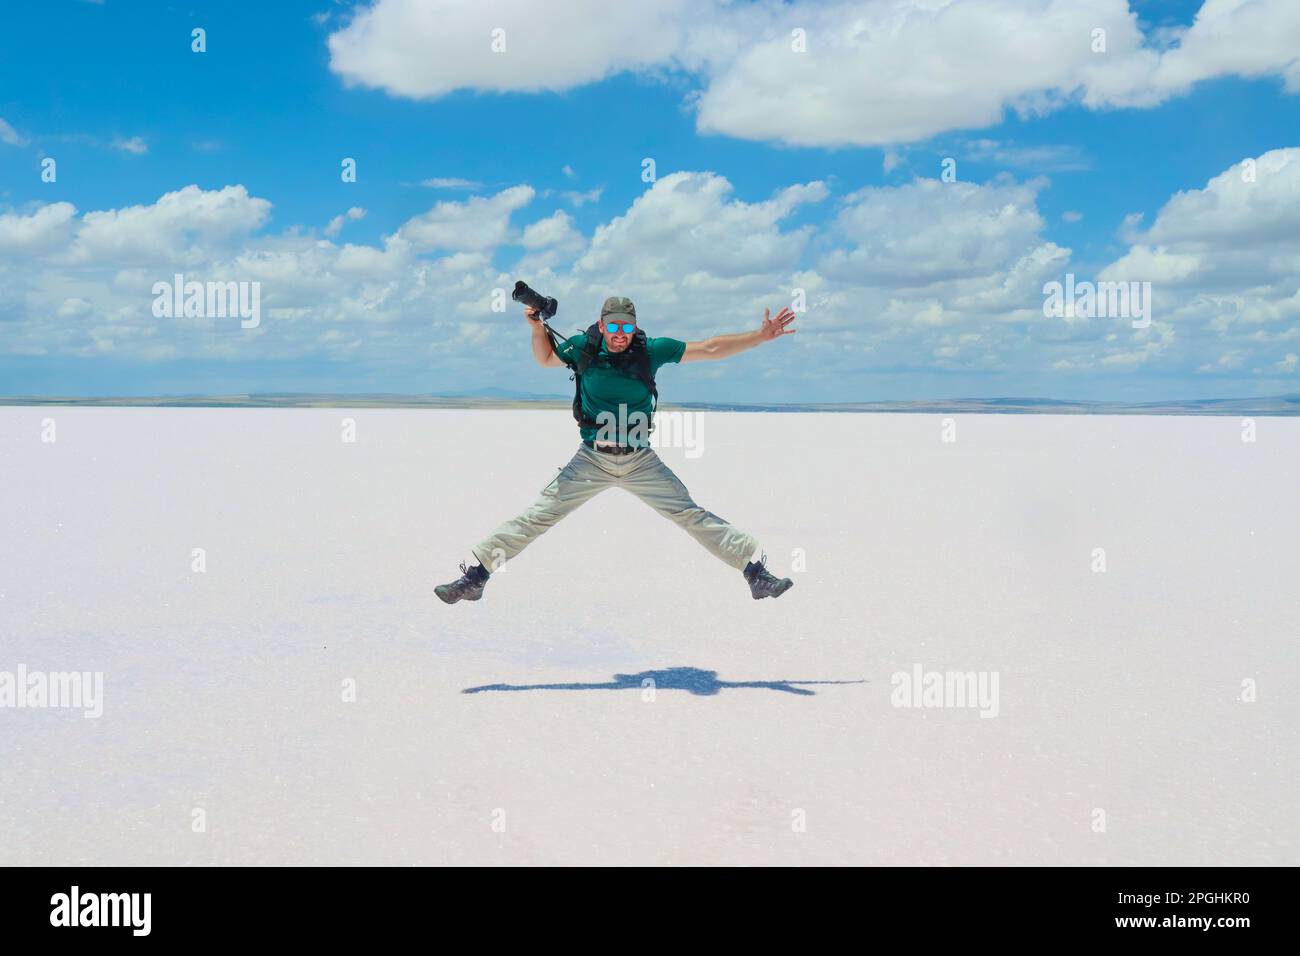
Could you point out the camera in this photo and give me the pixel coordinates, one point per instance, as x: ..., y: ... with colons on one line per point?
x: 546, y: 306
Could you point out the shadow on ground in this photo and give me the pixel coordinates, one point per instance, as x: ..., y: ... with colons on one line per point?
x: 693, y: 679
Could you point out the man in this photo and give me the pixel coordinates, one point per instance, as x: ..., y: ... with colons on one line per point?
x: 615, y: 398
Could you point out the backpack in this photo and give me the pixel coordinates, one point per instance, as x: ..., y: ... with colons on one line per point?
x: 635, y: 359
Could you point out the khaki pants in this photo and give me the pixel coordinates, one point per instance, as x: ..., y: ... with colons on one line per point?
x: 642, y: 473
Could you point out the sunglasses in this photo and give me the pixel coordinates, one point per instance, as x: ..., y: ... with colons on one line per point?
x: 627, y: 327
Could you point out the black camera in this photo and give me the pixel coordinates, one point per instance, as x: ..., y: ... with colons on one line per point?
x: 546, y: 306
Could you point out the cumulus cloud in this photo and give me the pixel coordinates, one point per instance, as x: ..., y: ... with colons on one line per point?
x: 903, y: 70
x: 687, y: 223
x: 477, y: 223
x: 81, y: 285
x: 423, y: 50
x: 1241, y: 231
x: 1247, y: 38
x: 929, y: 231
x: 1255, y: 201
x: 550, y: 241
x: 183, y: 225
x: 920, y: 275
x: 555, y: 230
x: 1224, y: 262
x: 1159, y: 264
x: 860, y: 72
x: 43, y: 230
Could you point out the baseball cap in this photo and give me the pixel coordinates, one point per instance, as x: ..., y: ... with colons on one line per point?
x: 618, y: 305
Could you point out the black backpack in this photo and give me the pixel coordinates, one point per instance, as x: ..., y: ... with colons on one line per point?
x: 635, y: 359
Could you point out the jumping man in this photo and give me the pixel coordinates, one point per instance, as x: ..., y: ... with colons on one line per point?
x: 614, y: 365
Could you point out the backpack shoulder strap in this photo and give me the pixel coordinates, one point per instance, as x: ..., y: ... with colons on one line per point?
x: 641, y: 363
x: 641, y: 367
x: 590, y: 349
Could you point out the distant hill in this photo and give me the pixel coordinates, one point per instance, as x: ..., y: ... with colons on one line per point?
x: 507, y: 398
x: 503, y: 393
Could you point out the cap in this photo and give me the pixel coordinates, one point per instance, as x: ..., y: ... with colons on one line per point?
x: 618, y: 305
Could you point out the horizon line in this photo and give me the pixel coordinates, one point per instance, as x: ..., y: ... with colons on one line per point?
x: 1286, y: 404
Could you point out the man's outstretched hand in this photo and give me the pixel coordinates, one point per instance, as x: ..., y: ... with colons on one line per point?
x: 772, y: 328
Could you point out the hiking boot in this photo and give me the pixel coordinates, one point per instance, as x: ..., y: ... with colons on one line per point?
x: 762, y: 582
x: 468, y: 587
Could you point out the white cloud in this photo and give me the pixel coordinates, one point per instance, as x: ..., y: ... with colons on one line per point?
x: 336, y: 224
x: 874, y: 72
x: 556, y: 229
x: 45, y: 229
x: 550, y: 241
x: 72, y: 308
x: 1227, y: 362
x: 1241, y: 231
x: 1228, y: 38
x: 1143, y: 263
x: 929, y: 231
x: 134, y: 145
x: 10, y: 135
x: 582, y: 198
x: 1224, y: 262
x: 904, y: 70
x: 701, y: 258
x: 686, y: 224
x: 450, y: 182
x: 422, y: 50
x: 924, y: 275
x: 1237, y: 206
x: 181, y: 225
x: 477, y: 223
x: 1037, y: 159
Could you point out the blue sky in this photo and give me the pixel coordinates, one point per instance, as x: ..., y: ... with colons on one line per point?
x: 913, y: 291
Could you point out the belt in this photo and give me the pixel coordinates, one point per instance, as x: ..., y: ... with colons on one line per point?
x: 612, y: 449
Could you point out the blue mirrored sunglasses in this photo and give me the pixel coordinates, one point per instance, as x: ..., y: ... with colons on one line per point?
x: 628, y: 327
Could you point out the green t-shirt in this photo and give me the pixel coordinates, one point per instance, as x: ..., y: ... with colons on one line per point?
x: 606, y: 388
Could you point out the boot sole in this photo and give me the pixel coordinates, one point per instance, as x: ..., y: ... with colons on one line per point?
x: 776, y: 594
